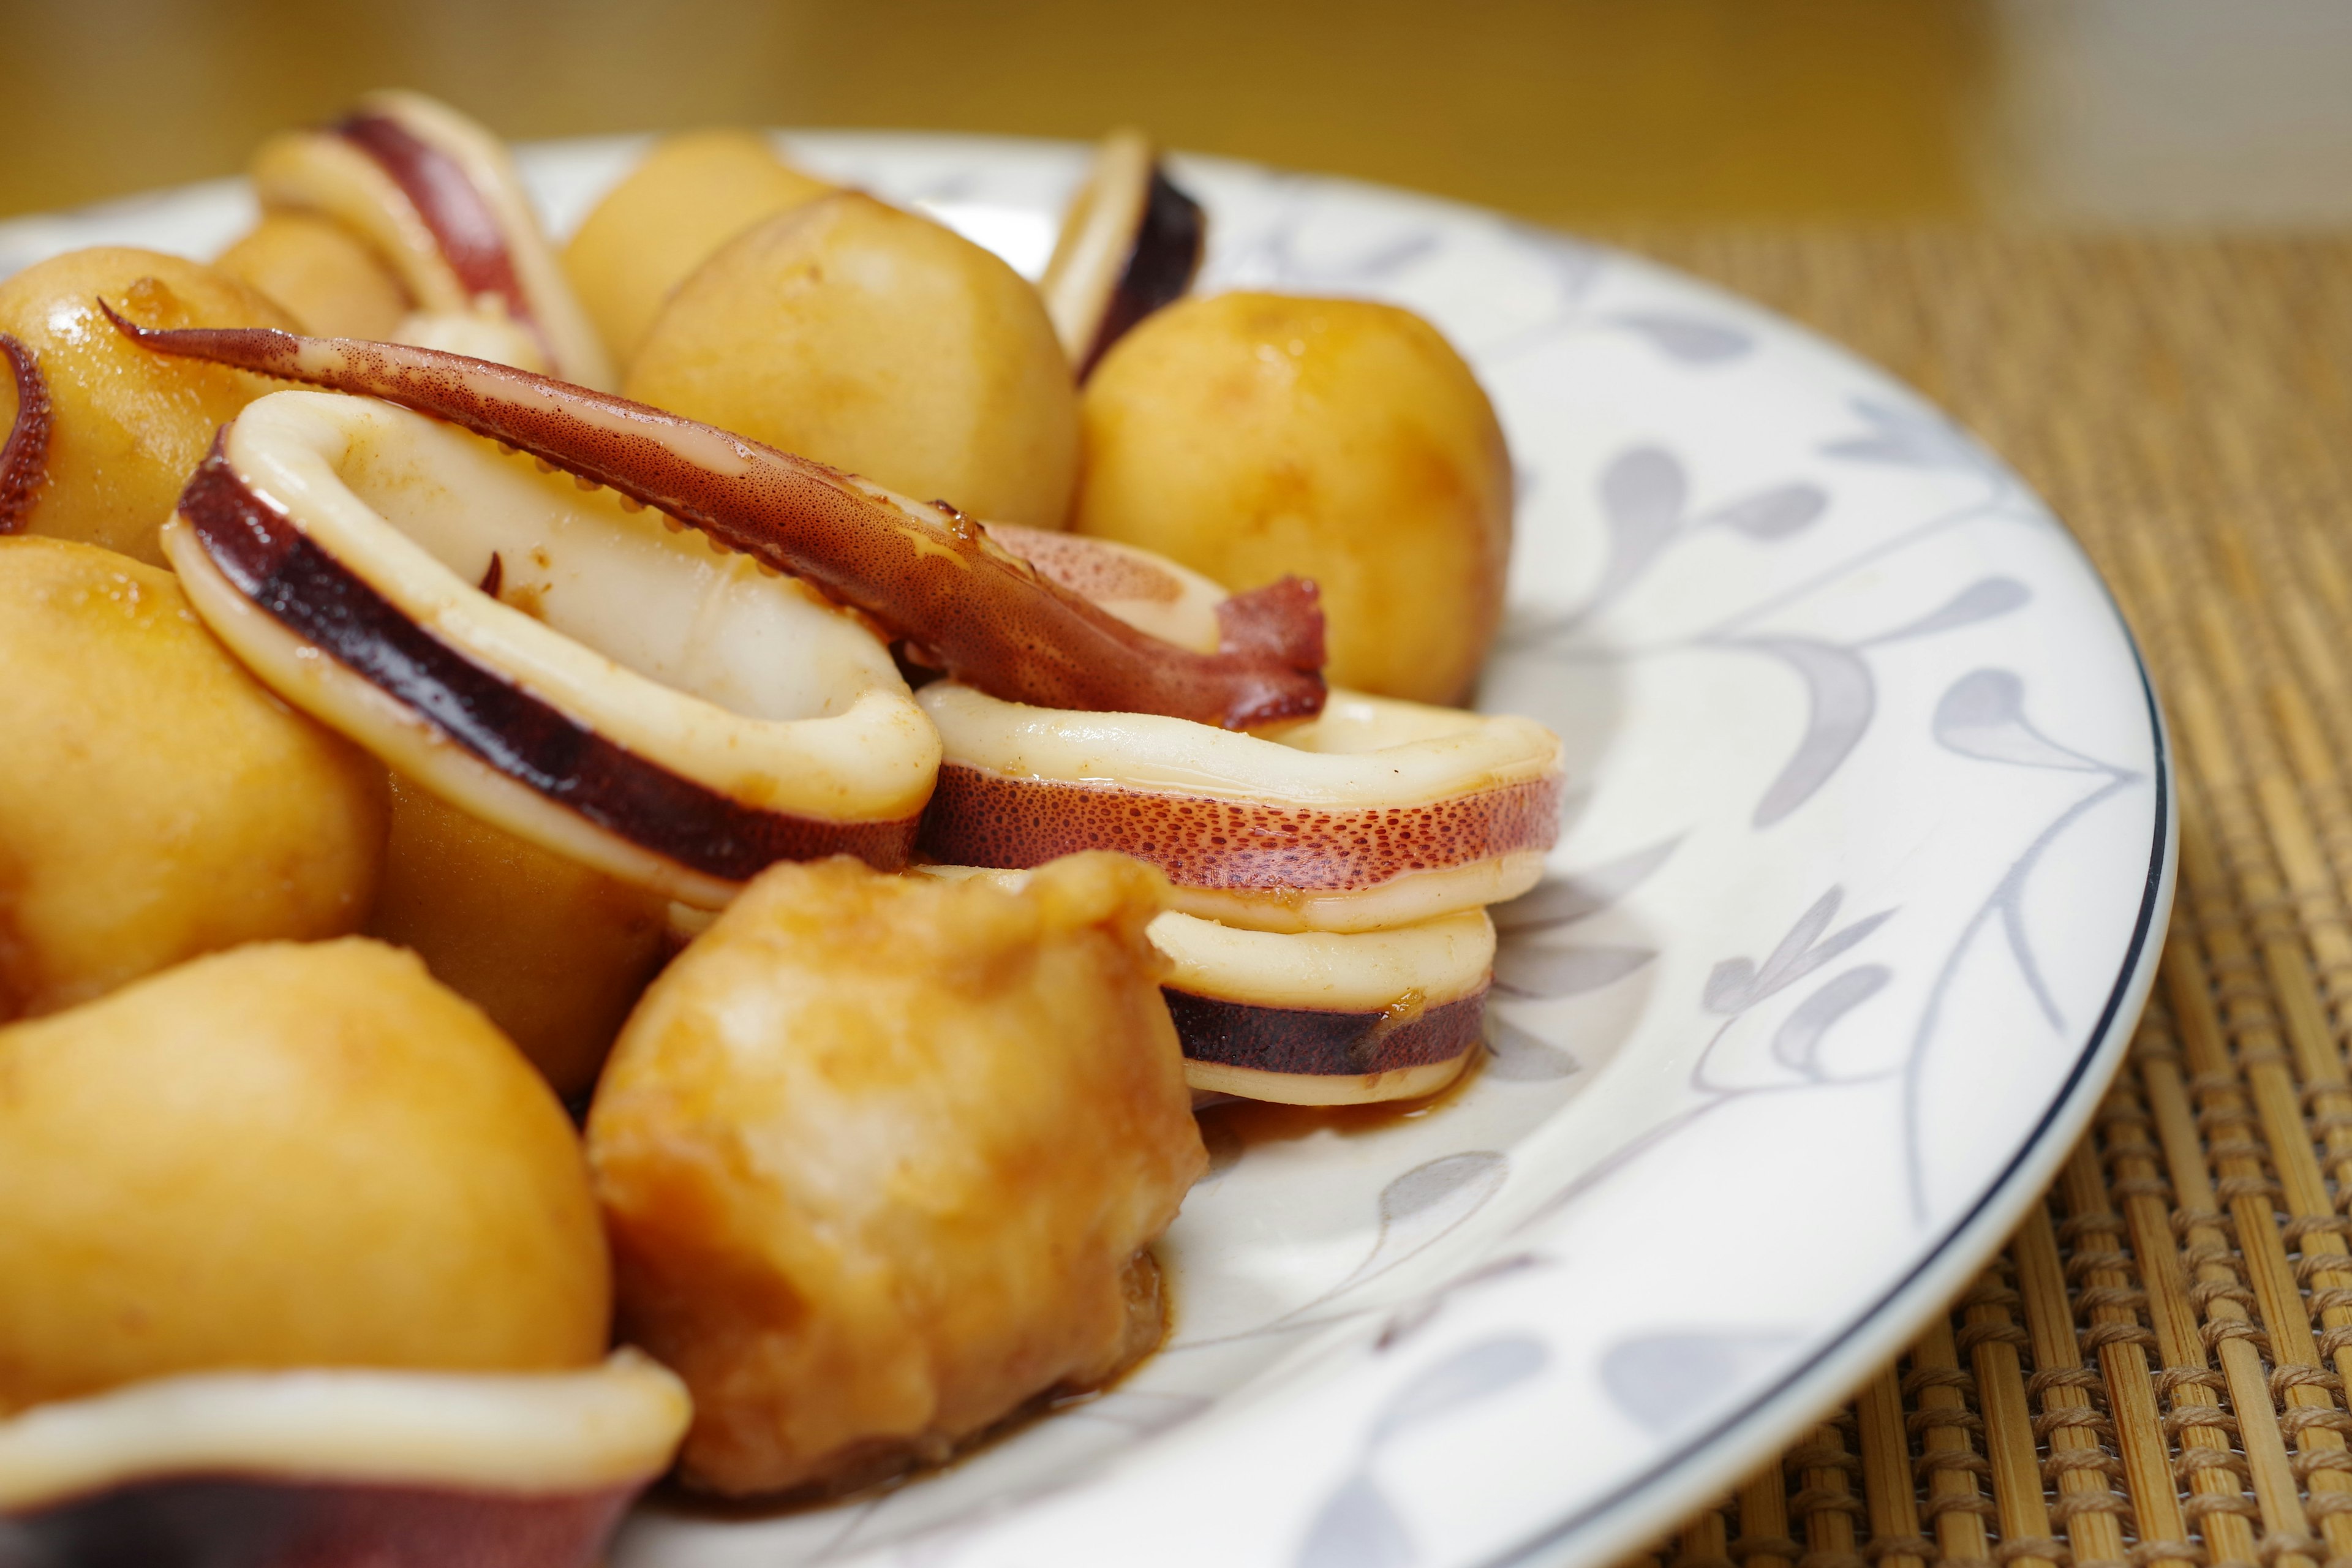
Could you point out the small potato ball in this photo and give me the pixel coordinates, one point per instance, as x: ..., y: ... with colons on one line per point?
x: 129, y: 426
x: 880, y: 1156
x: 555, y: 953
x: 285, y: 1156
x: 692, y: 195
x: 157, y: 802
x: 325, y: 275
x: 880, y: 342
x: 1251, y: 435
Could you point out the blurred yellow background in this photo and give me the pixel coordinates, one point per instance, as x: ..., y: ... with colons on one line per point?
x: 1575, y: 110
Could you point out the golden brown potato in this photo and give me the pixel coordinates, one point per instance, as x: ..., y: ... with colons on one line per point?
x: 881, y: 343
x: 325, y: 275
x: 155, y: 801
x: 691, y: 195
x: 879, y: 1155
x: 555, y: 953
x: 130, y: 426
x: 1251, y: 435
x: 285, y: 1156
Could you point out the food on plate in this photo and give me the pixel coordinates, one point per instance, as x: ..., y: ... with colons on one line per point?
x: 437, y: 198
x: 689, y: 196
x: 293, y: 1155
x: 627, y: 718
x: 1251, y: 435
x: 576, y: 673
x: 1377, y: 813
x: 155, y: 802
x: 1324, y: 1018
x: 1315, y: 1017
x: 880, y: 1157
x: 555, y: 953
x: 1129, y: 244
x: 326, y: 277
x: 294, y: 1237
x: 339, y: 1468
x: 123, y: 428
x: 926, y: 574
x: 862, y: 336
x: 25, y: 445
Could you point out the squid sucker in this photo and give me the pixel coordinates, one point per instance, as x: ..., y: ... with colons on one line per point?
x: 925, y: 573
x: 27, y: 446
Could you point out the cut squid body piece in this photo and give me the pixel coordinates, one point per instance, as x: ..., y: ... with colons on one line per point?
x: 1131, y: 243
x: 1376, y: 813
x: 438, y: 196
x: 1316, y: 1017
x: 341, y: 1467
x: 1326, y: 1019
x: 591, y: 680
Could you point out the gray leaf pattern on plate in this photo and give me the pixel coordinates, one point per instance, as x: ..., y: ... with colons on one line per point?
x: 1983, y: 716
x: 1910, y: 437
x: 1524, y: 969
x: 1358, y: 1524
x: 1522, y: 1056
x: 1563, y: 900
x: 1644, y: 496
x: 1737, y: 984
x: 1797, y: 1043
x: 1686, y: 338
x: 1659, y: 1381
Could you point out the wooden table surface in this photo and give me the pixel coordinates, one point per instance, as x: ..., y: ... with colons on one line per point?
x: 1568, y: 111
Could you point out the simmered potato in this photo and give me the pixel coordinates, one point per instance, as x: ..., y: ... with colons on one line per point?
x: 692, y: 195
x: 1251, y: 435
x: 555, y: 953
x: 880, y: 342
x: 285, y: 1156
x: 325, y: 275
x: 130, y: 426
x: 155, y: 801
x: 880, y: 1156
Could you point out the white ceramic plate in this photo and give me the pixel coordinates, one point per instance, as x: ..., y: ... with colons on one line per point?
x: 1865, y: 868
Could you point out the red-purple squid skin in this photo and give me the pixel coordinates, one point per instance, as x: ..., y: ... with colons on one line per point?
x: 25, y: 453
x: 241, y: 1521
x: 966, y: 606
x: 459, y: 216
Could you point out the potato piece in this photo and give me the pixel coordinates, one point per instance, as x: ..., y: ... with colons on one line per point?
x: 285, y: 1156
x: 880, y: 342
x: 691, y: 195
x: 157, y: 802
x: 130, y: 426
x: 1251, y: 435
x: 555, y: 953
x: 879, y: 1155
x: 325, y: 275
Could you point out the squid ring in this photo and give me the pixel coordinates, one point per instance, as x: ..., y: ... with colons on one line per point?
x: 438, y: 197
x: 361, y: 1466
x: 582, y: 677
x: 1318, y: 1018
x: 1376, y: 813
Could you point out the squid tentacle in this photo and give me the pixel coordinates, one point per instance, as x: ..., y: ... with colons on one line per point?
x: 925, y: 573
x: 24, y: 459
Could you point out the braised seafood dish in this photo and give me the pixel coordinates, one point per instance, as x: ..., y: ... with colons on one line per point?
x: 630, y: 861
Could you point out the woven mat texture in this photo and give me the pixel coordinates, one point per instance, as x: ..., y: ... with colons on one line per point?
x: 2153, y: 1370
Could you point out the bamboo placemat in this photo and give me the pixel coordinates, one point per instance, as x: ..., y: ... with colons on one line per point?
x: 2153, y: 1370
